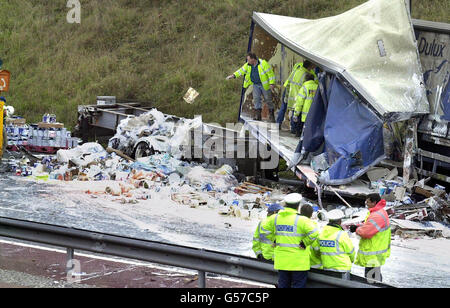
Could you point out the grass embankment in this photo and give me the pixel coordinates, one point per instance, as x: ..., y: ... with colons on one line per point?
x: 147, y: 50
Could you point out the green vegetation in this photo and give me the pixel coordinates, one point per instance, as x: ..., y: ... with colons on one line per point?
x: 141, y: 49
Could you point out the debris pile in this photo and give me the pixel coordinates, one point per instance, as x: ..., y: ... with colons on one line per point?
x: 161, y: 173
x: 155, y: 131
x: 414, y: 208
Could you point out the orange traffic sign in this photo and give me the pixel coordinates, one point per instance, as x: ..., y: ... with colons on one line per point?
x: 4, y: 80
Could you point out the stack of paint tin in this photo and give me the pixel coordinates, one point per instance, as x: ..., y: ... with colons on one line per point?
x: 37, y: 135
x: 17, y: 134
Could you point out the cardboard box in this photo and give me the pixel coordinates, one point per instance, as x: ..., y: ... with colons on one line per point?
x: 50, y: 125
x: 15, y: 121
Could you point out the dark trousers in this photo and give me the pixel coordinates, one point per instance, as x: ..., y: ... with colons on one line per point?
x: 298, y: 128
x: 283, y: 108
x: 292, y: 279
x: 373, y: 273
x: 295, y: 125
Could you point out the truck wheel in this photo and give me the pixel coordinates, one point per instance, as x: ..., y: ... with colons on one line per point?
x: 143, y: 150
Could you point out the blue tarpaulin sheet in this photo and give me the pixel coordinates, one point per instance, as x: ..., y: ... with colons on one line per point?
x: 446, y: 102
x: 352, y: 134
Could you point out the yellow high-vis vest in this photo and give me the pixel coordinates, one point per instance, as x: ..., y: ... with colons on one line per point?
x: 373, y: 252
x: 288, y: 229
x: 305, y: 98
x: 336, y: 249
x: 261, y: 244
x: 295, y: 82
x: 265, y: 71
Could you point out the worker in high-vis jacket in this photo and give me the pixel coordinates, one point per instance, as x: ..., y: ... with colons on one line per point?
x: 303, y: 102
x: 262, y: 246
x: 259, y: 73
x: 292, y: 86
x: 292, y: 233
x: 335, y: 249
x: 375, y: 243
x: 314, y: 256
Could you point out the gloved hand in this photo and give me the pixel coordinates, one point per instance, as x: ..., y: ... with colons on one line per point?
x: 295, y: 119
x: 260, y: 257
x: 302, y: 245
x: 353, y: 228
x: 290, y: 114
x: 230, y: 77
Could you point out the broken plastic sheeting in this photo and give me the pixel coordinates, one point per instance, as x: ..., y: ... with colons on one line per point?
x: 82, y: 155
x: 180, y: 140
x: 131, y: 129
x: 161, y: 132
x: 200, y: 177
x: 163, y: 163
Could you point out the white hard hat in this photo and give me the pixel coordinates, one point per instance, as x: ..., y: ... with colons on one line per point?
x: 335, y: 215
x: 9, y: 110
x: 293, y: 199
x: 322, y: 215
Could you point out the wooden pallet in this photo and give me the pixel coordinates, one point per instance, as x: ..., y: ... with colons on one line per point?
x: 250, y: 188
x: 31, y: 148
x: 50, y: 125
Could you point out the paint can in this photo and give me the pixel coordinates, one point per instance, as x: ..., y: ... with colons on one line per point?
x: 52, y: 118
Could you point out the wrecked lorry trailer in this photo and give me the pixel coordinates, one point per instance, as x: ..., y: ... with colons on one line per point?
x: 137, y: 131
x: 433, y: 131
x: 372, y: 94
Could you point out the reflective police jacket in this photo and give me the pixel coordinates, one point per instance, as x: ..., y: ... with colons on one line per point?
x: 336, y: 249
x: 262, y: 245
x: 288, y: 229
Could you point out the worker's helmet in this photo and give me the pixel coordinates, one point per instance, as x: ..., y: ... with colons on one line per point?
x: 293, y: 199
x: 9, y: 110
x: 335, y: 215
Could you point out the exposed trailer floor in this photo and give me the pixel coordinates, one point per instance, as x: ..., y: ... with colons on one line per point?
x: 284, y: 144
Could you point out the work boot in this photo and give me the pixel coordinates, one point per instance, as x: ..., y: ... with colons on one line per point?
x: 271, y: 116
x: 257, y: 115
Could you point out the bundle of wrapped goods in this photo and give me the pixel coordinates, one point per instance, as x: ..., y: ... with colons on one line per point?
x: 41, y: 135
x: 17, y: 134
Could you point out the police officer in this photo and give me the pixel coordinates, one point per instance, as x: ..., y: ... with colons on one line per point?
x: 335, y: 247
x: 292, y: 234
x: 262, y: 246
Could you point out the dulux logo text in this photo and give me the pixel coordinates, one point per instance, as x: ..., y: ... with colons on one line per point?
x: 434, y: 49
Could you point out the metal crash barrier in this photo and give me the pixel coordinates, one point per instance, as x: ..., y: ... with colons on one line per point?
x: 173, y: 255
